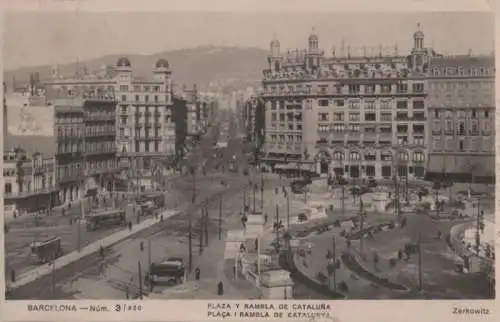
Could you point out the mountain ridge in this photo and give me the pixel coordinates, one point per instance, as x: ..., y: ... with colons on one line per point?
x: 219, y: 68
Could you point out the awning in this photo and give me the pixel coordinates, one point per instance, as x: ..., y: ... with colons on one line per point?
x: 461, y: 168
x: 479, y: 165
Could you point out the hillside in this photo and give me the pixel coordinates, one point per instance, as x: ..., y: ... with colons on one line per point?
x: 222, y: 69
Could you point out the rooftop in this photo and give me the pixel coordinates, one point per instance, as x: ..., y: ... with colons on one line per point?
x: 46, y: 145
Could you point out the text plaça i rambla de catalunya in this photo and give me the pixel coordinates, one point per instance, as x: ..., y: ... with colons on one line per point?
x: 262, y: 310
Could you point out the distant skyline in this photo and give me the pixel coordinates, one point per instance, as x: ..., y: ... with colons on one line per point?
x: 33, y: 39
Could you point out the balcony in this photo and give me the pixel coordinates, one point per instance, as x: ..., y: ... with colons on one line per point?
x: 419, y: 118
x: 322, y: 143
x: 401, y: 118
x: 100, y: 151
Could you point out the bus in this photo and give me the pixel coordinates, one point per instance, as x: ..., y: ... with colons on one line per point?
x: 168, y: 272
x: 105, y: 219
x: 47, y: 250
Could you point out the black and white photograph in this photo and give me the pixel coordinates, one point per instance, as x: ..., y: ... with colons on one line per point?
x: 248, y: 156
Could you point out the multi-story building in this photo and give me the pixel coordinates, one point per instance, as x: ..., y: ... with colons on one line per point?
x: 461, y: 107
x: 86, y: 148
x: 357, y: 113
x: 144, y: 127
x: 146, y: 131
x: 69, y: 130
x: 254, y: 119
x: 29, y: 180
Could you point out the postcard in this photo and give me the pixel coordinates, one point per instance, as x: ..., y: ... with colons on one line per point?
x: 247, y: 160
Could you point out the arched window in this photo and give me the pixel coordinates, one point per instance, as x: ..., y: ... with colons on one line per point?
x: 8, y: 188
x: 338, y: 155
x: 370, y: 156
x: 403, y: 156
x: 386, y: 156
x: 418, y: 157
x: 354, y: 156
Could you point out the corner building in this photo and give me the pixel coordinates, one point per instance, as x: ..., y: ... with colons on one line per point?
x: 461, y: 106
x: 357, y: 114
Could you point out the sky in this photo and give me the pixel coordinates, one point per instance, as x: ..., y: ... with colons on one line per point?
x: 32, y: 39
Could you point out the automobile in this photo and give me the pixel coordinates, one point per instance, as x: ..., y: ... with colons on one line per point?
x: 167, y: 272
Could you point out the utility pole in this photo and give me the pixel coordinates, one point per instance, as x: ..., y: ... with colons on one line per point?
x: 478, y: 224
x: 334, y: 260
x: 420, y: 280
x: 149, y: 252
x: 362, y: 218
x: 78, y: 226
x: 206, y: 224
x: 254, y: 188
x: 54, y: 276
x: 139, y: 271
x: 287, y: 209
x: 190, y: 222
x: 220, y: 217
x: 261, y: 189
x: 201, y: 230
x: 277, y: 221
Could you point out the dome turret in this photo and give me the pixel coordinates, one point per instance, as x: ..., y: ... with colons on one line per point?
x: 162, y: 63
x: 123, y: 62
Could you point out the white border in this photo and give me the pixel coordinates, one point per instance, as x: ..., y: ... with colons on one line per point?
x: 178, y: 310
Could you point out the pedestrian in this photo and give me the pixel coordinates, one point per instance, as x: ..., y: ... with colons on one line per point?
x: 220, y: 288
x: 265, y: 219
x: 141, y: 245
x: 101, y: 251
x: 197, y: 273
x: 63, y: 212
x: 129, y: 225
x: 13, y: 276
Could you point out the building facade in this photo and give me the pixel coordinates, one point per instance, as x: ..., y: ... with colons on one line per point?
x: 253, y: 116
x: 461, y: 106
x: 143, y: 110
x: 29, y: 181
x: 355, y: 114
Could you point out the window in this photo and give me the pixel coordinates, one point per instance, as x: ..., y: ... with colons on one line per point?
x: 354, y: 89
x: 354, y: 156
x: 402, y: 88
x: 386, y: 129
x: 461, y: 128
x: 338, y: 127
x: 403, y: 156
x: 402, y: 129
x: 402, y: 104
x: 436, y: 114
x: 370, y: 117
x: 386, y: 117
x: 323, y: 117
x: 273, y: 117
x: 340, y: 103
x: 370, y: 89
x: 370, y: 156
x: 323, y: 128
x: 385, y: 88
x: 402, y: 140
x: 474, y: 127
x: 418, y: 87
x: 448, y: 127
x: 354, y: 117
x: 337, y: 155
x: 418, y: 157
x: 136, y: 98
x: 124, y: 98
x: 449, y: 143
x: 420, y: 141
x: 338, y: 116
x: 370, y: 105
x: 354, y: 127
x: 386, y: 156
x: 323, y: 103
x: 123, y: 88
x: 354, y: 105
x: 385, y: 105
x: 420, y: 105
